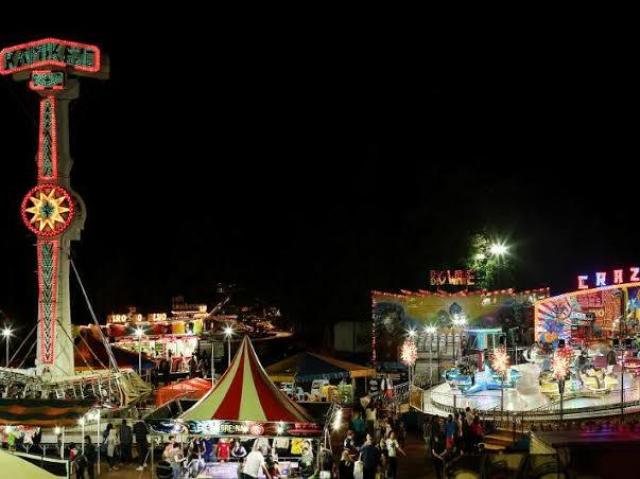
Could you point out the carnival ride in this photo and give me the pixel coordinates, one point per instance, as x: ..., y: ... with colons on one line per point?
x: 469, y: 382
x: 55, y: 214
x: 534, y: 391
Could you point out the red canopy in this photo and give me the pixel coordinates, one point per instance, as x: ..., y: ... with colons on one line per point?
x: 245, y: 393
x: 189, y: 389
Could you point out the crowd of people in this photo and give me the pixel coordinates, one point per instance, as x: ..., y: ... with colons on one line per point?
x: 191, y: 459
x: 198, y: 366
x: 370, y: 448
x: 460, y: 433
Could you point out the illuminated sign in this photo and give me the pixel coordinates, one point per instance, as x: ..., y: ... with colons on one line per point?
x: 214, y: 427
x: 50, y: 52
x: 46, y: 80
x: 607, y: 278
x: 458, y: 277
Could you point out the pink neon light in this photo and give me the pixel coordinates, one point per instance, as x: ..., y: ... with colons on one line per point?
x: 582, y: 282
x: 617, y: 276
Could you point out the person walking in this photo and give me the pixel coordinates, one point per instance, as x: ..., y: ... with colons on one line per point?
x: 126, y: 442
x: 252, y: 465
x: 140, y: 431
x: 370, y: 458
x: 393, y: 447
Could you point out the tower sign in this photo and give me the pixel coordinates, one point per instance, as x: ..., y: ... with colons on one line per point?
x: 51, y: 210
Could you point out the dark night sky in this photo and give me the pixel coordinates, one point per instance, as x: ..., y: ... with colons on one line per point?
x: 311, y: 174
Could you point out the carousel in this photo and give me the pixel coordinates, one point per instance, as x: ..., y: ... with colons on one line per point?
x: 583, y: 365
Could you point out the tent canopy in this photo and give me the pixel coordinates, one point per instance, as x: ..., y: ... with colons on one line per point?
x: 43, y: 412
x: 245, y: 393
x: 189, y: 388
x: 14, y: 466
x: 305, y: 367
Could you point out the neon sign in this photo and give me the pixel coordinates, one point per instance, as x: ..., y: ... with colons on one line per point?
x: 46, y: 80
x: 50, y: 52
x: 458, y: 277
x: 607, y: 278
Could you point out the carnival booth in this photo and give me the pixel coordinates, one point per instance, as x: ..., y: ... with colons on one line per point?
x: 246, y: 406
x: 323, y: 378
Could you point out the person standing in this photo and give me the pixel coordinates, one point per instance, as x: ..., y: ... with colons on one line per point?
x: 349, y: 442
x: 173, y: 455
x: 193, y: 366
x: 77, y: 460
x: 252, y: 465
x: 450, y: 433
x: 369, y: 456
x: 345, y: 469
x: 196, y: 456
x: 238, y: 452
x: 223, y: 450
x: 140, y: 431
x: 459, y: 438
x: 477, y: 432
x: 126, y: 442
x: 611, y: 361
x: 383, y: 461
x: 90, y: 454
x: 111, y: 442
x: 306, y: 460
x: 438, y: 454
x: 209, y: 450
x: 393, y: 447
x: 359, y: 428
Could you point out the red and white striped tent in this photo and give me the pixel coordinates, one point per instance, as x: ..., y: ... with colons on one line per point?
x: 245, y: 393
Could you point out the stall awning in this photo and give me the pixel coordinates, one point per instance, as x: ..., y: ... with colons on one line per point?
x: 245, y: 393
x: 189, y: 389
x: 305, y: 367
x: 43, y: 412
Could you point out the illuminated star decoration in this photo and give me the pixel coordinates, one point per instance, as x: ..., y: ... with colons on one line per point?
x: 409, y: 352
x: 561, y: 363
x: 47, y: 210
x: 500, y: 360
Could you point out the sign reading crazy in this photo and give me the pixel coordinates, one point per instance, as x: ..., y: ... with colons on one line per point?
x: 607, y: 278
x: 50, y: 52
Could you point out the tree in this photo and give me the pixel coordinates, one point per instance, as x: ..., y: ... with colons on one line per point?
x: 491, y: 262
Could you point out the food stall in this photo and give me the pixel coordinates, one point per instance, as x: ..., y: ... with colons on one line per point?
x: 245, y: 405
x: 317, y: 372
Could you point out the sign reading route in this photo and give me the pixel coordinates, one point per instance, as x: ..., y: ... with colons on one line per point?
x: 50, y: 52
